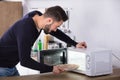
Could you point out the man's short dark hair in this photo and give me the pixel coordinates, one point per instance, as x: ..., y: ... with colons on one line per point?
x: 56, y: 12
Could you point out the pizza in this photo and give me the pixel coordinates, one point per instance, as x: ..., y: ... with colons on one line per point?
x: 69, y: 67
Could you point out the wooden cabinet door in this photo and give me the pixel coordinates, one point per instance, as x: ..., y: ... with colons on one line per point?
x: 10, y: 12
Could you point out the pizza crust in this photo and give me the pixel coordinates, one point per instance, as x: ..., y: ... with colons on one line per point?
x: 69, y: 67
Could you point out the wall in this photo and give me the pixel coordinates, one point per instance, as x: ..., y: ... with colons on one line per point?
x: 94, y: 21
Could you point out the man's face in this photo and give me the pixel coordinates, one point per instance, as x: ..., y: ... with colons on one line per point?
x: 47, y: 29
x: 52, y: 27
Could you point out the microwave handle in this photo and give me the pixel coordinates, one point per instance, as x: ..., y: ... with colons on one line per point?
x: 64, y: 58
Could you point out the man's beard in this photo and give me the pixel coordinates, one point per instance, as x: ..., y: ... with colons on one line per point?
x: 47, y: 29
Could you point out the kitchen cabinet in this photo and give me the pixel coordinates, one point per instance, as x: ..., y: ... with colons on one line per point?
x: 10, y: 12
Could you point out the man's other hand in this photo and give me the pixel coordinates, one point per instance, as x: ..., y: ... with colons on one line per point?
x: 81, y: 45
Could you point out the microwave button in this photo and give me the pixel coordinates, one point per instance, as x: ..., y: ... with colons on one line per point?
x: 88, y: 66
x: 88, y: 58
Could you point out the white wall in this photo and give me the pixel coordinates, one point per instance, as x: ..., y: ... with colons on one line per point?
x: 95, y: 21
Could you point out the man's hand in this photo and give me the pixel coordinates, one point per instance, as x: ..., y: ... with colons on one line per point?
x: 81, y: 45
x: 57, y: 69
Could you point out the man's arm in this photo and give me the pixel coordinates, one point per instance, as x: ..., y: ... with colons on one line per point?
x: 63, y: 37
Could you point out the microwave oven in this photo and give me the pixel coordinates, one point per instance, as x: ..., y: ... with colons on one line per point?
x: 92, y: 62
x: 53, y: 57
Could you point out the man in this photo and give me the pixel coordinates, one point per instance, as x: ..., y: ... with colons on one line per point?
x: 16, y: 43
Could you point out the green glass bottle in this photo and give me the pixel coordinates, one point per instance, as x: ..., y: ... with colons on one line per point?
x: 39, y: 45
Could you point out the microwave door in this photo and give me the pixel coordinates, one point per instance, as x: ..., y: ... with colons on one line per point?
x: 78, y: 58
x: 53, y: 56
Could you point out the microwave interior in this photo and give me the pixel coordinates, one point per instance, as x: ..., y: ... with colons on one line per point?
x: 53, y: 57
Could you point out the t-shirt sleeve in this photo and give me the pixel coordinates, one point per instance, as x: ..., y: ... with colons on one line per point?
x: 63, y: 37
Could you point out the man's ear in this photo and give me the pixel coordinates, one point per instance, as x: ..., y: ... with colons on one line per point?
x: 49, y: 21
